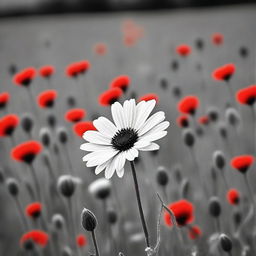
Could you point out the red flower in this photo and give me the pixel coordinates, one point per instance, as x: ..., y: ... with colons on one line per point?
x: 47, y: 71
x: 233, y: 196
x: 224, y: 73
x: 24, y: 77
x: 46, y: 99
x: 26, y: 151
x: 38, y: 236
x: 149, y: 96
x: 203, y: 120
x: 81, y: 240
x: 83, y: 66
x: 194, y: 232
x: 4, y: 99
x: 100, y: 49
x: 121, y: 82
x: 242, y: 163
x: 182, y: 121
x: 217, y: 38
x: 247, y: 95
x: 8, y: 124
x: 33, y: 210
x: 110, y: 96
x: 81, y: 127
x: 183, y: 212
x: 183, y: 50
x: 188, y: 105
x: 72, y: 70
x: 75, y: 115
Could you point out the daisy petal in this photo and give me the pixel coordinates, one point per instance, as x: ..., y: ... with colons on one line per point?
x: 141, y: 144
x: 96, y: 137
x: 94, y: 147
x: 120, y: 161
x: 118, y: 115
x: 110, y: 170
x: 153, y: 146
x: 158, y: 128
x: 129, y: 111
x: 131, y: 154
x: 101, y: 167
x: 154, y: 136
x: 105, y: 127
x: 99, y: 157
x: 120, y: 173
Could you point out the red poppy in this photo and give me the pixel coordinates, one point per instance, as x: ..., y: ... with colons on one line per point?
x: 203, y: 120
x: 81, y: 127
x: 75, y: 115
x: 247, y: 95
x: 182, y: 121
x: 217, y: 38
x: 233, y: 196
x: 188, y: 104
x: 38, y: 236
x: 100, y: 49
x: 26, y: 151
x: 129, y: 40
x: 47, y: 71
x: 121, y: 82
x: 194, y: 232
x: 72, y: 70
x: 149, y: 96
x: 8, y: 124
x: 110, y: 96
x: 47, y: 98
x: 4, y: 99
x: 242, y: 163
x: 183, y: 50
x: 183, y: 212
x: 224, y: 73
x: 24, y: 77
x: 83, y: 66
x: 33, y: 210
x: 81, y: 240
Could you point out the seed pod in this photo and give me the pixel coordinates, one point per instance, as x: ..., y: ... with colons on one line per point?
x: 214, y: 207
x: 51, y: 120
x: 62, y: 135
x: 163, y: 82
x: 28, y: 245
x: 188, y: 137
x: 174, y: 65
x: 199, y: 131
x: 176, y: 91
x: 12, y: 186
x: 237, y: 218
x: 223, y: 131
x: 58, y: 221
x: 45, y: 136
x: 243, y: 51
x: 219, y: 159
x: 66, y: 185
x: 12, y: 69
x: 225, y: 243
x: 162, y: 176
x: 232, y: 117
x: 199, y: 44
x: 27, y: 122
x: 71, y: 101
x: 112, y: 216
x: 213, y: 114
x: 100, y: 188
x: 88, y: 220
x: 185, y: 185
x: 177, y: 173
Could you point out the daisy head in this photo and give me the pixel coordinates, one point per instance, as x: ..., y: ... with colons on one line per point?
x: 115, y: 142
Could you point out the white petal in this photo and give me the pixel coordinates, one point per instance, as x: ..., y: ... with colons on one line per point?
x: 118, y: 115
x: 158, y: 128
x: 131, y: 154
x: 120, y: 161
x: 151, y: 122
x: 101, y: 167
x: 110, y: 170
x: 151, y: 147
x: 129, y: 112
x: 96, y: 137
x: 155, y: 136
x: 105, y: 127
x: 101, y: 158
x: 120, y: 173
x: 141, y: 144
x: 94, y: 147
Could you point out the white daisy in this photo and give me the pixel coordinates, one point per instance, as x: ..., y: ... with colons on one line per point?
x: 114, y: 143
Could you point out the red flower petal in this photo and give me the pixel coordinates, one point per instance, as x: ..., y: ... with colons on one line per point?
x: 242, y: 163
x: 33, y: 210
x: 26, y: 151
x: 203, y: 120
x: 81, y: 240
x: 182, y: 121
x: 122, y: 82
x: 81, y: 127
x: 183, y: 50
x: 4, y: 99
x: 224, y: 73
x: 247, y: 95
x: 8, y: 124
x: 83, y: 66
x: 233, y: 196
x: 149, y: 96
x: 46, y: 99
x: 194, y: 232
x: 72, y: 70
x: 188, y: 104
x: 38, y: 236
x: 47, y: 71
x: 24, y: 77
x: 110, y: 96
x: 217, y: 38
x: 75, y: 115
x: 100, y: 49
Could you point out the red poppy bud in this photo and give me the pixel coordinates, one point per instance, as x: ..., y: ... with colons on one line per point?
x: 46, y: 71
x: 194, y: 232
x: 33, y: 210
x: 149, y: 96
x: 81, y: 240
x: 183, y: 121
x: 8, y: 125
x: 24, y: 77
x: 188, y: 105
x: 247, y: 95
x: 37, y: 236
x: 233, y: 196
x: 242, y: 163
x: 4, y: 99
x: 224, y: 73
x: 183, y: 50
x: 122, y: 82
x: 75, y: 115
x: 81, y: 127
x: 110, y: 96
x: 204, y: 120
x: 217, y: 38
x: 100, y: 49
x: 47, y: 98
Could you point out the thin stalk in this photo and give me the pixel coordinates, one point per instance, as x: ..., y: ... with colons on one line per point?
x: 21, y: 214
x: 95, y: 243
x: 249, y: 191
x: 34, y: 176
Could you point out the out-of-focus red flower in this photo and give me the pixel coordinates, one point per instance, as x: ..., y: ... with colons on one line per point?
x: 182, y: 121
x: 4, y: 99
x: 100, y: 49
x: 110, y: 96
x: 204, y: 120
x: 242, y: 163
x: 247, y: 95
x: 47, y: 71
x: 122, y: 82
x: 72, y: 70
x: 26, y: 151
x: 81, y: 127
x: 38, y: 236
x: 8, y: 125
x: 149, y: 96
x: 24, y: 77
x: 183, y: 50
x: 188, y: 104
x: 224, y: 73
x: 83, y: 66
x: 75, y: 115
x: 194, y: 232
x: 217, y: 38
x: 183, y: 211
x: 233, y: 196
x: 33, y: 210
x: 81, y: 240
x: 47, y: 98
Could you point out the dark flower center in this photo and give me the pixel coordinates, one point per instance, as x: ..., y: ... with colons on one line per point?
x: 182, y: 219
x: 124, y: 139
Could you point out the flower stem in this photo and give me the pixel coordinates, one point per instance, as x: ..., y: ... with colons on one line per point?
x: 95, y: 243
x: 143, y: 222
